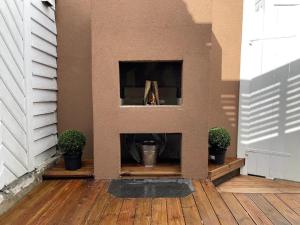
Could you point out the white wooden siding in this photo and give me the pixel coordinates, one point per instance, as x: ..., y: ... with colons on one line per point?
x: 28, y: 91
x: 269, y: 124
x: 13, y: 139
x: 44, y: 85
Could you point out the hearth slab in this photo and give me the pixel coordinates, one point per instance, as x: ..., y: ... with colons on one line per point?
x: 151, y: 188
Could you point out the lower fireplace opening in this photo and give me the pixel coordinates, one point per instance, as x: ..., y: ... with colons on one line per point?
x: 151, y: 154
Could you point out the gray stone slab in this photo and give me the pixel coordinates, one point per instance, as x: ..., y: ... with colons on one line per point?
x: 151, y: 188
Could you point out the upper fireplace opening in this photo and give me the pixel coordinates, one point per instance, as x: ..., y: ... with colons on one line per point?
x: 150, y: 82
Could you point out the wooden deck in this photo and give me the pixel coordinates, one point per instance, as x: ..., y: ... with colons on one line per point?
x: 87, y: 202
x: 59, y: 171
x: 252, y: 184
x: 231, y: 164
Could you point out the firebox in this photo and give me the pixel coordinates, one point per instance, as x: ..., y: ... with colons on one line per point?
x: 152, y: 151
x: 136, y: 78
x: 168, y: 147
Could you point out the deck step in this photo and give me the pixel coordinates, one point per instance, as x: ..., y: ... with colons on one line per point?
x: 87, y: 171
x: 160, y: 170
x: 58, y: 171
x: 218, y: 171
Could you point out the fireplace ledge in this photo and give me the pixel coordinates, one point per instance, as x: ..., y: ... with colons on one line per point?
x: 169, y: 170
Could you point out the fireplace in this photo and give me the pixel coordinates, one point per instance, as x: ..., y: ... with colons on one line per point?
x: 134, y: 76
x: 150, y: 76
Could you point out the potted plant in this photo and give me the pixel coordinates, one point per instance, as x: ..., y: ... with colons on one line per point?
x: 218, y: 140
x: 71, y: 142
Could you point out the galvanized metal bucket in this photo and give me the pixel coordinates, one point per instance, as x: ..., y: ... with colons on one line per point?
x: 149, y: 155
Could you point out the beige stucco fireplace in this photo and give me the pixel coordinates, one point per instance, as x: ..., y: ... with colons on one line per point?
x: 149, y: 31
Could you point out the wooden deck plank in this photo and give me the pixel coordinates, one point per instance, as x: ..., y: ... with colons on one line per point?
x: 111, y: 212
x: 174, y: 210
x: 88, y: 202
x: 281, y: 207
x: 69, y: 205
x: 190, y: 211
x: 54, y: 204
x: 28, y: 206
x: 127, y: 213
x: 240, y: 214
x: 220, y: 208
x: 143, y: 212
x: 256, y: 214
x: 95, y: 213
x: 205, y: 209
x: 159, y: 209
x: 251, y: 184
x: 61, y: 173
x: 292, y: 200
x: 83, y: 203
x: 268, y: 209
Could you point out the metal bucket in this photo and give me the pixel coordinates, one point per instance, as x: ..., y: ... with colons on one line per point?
x: 149, y: 155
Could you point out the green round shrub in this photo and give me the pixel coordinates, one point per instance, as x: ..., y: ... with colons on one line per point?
x: 71, y: 141
x: 218, y: 138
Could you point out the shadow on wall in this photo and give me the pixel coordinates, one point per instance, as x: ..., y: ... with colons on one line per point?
x: 271, y: 107
x: 74, y: 69
x: 224, y: 96
x: 270, y: 119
